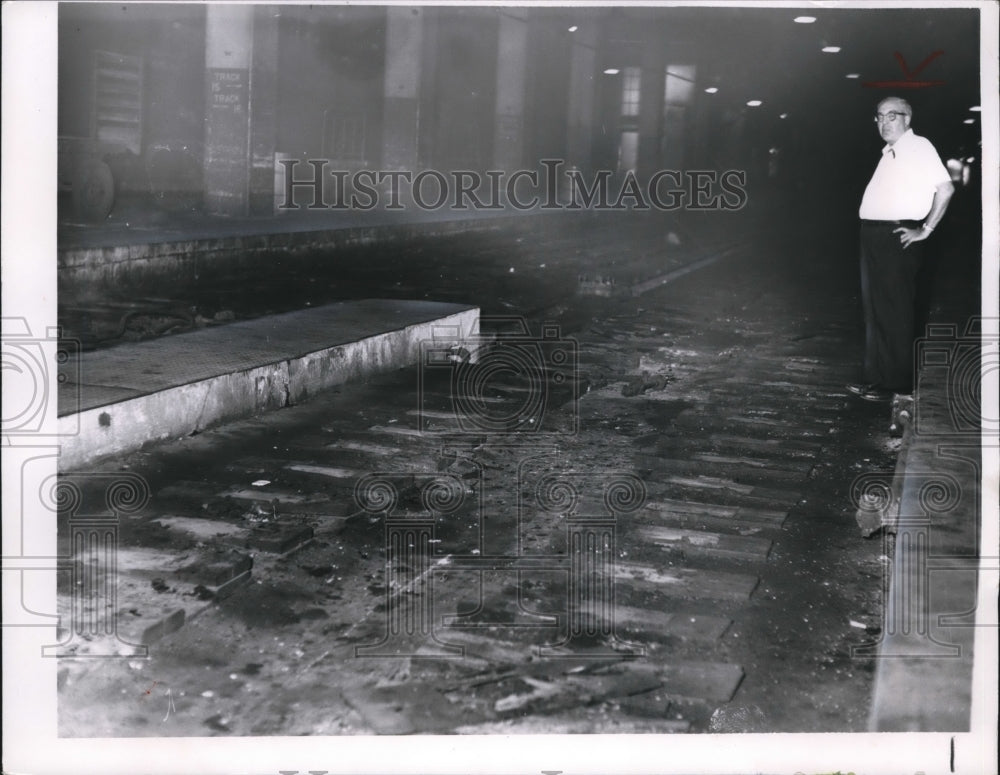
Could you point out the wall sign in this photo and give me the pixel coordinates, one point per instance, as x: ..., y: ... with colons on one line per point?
x: 226, y: 138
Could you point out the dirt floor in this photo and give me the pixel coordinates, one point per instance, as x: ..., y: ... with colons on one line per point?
x: 719, y: 392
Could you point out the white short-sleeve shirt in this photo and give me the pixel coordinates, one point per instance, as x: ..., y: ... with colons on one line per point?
x: 903, y: 186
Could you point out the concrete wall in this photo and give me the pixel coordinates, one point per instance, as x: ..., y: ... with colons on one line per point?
x: 431, y: 87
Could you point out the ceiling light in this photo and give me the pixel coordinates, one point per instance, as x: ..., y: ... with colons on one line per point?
x: 831, y: 49
x: 611, y: 71
x: 804, y: 19
x: 711, y: 90
x: 783, y: 115
x: 853, y: 75
x: 754, y: 103
x: 574, y: 28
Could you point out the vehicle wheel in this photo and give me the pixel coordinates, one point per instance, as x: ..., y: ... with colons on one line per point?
x: 93, y: 190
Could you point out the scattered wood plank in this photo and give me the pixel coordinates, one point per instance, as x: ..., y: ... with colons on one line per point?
x: 769, y: 464
x: 274, y: 495
x: 797, y: 430
x: 655, y: 621
x: 686, y: 582
x: 752, y: 494
x: 378, y: 450
x: 702, y: 465
x: 709, y: 544
x: 735, y: 516
x: 730, y: 525
x: 331, y: 472
x: 777, y: 447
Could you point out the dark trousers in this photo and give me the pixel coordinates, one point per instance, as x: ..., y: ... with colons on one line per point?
x: 888, y: 296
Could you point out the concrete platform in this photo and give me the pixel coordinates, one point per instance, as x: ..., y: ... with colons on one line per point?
x: 140, y: 248
x: 924, y: 674
x: 115, y: 400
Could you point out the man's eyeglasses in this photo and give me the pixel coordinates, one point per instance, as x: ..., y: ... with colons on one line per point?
x: 892, y: 115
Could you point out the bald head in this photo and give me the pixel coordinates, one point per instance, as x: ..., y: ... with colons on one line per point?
x: 897, y: 104
x: 893, y: 116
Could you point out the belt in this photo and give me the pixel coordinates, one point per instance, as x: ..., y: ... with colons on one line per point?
x: 907, y: 224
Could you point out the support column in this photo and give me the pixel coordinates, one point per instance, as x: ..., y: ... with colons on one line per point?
x: 582, y: 87
x: 263, y: 109
x: 680, y: 109
x: 403, y: 48
x: 651, y: 108
x: 512, y: 56
x: 228, y: 54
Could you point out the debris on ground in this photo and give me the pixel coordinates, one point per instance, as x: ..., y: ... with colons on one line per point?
x: 644, y: 382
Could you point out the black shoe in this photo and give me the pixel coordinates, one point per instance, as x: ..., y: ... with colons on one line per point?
x: 859, y: 388
x: 877, y: 395
x: 870, y: 392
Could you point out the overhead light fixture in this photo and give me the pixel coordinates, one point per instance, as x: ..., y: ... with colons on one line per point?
x: 853, y: 75
x: 975, y: 109
x: 574, y: 28
x: 611, y: 71
x: 711, y: 90
x: 783, y: 115
x: 831, y: 49
x: 754, y: 103
x: 969, y: 121
x: 804, y: 19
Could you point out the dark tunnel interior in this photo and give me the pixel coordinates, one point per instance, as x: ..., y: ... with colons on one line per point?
x: 640, y: 88
x: 310, y: 255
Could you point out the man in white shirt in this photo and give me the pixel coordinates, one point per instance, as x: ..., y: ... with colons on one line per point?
x: 903, y: 203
